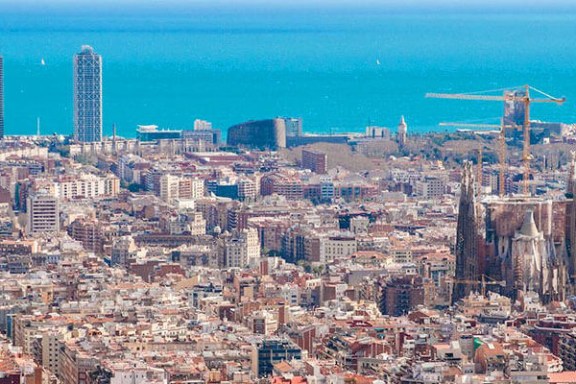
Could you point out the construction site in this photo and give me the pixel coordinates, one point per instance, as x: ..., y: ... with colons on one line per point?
x: 514, y: 242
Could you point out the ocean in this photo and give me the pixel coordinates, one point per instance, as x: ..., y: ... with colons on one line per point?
x: 338, y: 69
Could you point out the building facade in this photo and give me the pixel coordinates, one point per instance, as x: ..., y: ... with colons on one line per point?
x: 315, y: 161
x: 401, y: 294
x: 179, y: 187
x: 152, y: 133
x: 430, y: 187
x: 269, y: 352
x: 242, y: 249
x: 263, y: 134
x: 87, y: 186
x: 87, y: 95
x: 293, y: 126
x: 43, y: 213
x: 374, y: 132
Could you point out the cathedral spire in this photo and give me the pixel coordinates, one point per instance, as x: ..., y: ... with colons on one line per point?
x: 468, y: 183
x: 466, y: 236
x: 529, y: 228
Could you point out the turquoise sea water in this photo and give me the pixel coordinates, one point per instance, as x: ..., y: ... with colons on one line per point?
x: 337, y: 69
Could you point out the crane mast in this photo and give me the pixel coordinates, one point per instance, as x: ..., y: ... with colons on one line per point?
x: 502, y: 158
x: 479, y: 170
x: 526, y: 147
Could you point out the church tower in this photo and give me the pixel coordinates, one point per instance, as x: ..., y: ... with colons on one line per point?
x: 466, y: 237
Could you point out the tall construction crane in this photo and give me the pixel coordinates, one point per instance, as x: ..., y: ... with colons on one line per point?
x: 507, y: 96
x: 479, y: 165
x: 502, y: 159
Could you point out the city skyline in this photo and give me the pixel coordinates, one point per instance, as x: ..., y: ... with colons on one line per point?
x: 338, y: 69
x: 287, y: 192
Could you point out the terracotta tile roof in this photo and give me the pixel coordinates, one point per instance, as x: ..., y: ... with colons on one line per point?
x: 563, y: 377
x: 283, y: 367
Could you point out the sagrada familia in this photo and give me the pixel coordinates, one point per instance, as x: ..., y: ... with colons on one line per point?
x: 526, y: 244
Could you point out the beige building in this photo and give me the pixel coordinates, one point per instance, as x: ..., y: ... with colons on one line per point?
x: 50, y: 352
x: 43, y: 213
x: 243, y: 249
x: 337, y: 247
x: 177, y: 187
x: 122, y: 250
x: 87, y: 186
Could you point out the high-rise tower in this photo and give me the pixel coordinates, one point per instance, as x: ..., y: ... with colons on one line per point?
x: 571, y: 218
x: 466, y: 236
x: 514, y: 108
x: 1, y: 98
x: 87, y: 95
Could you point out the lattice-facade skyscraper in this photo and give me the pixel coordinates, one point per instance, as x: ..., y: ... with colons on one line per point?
x: 571, y: 218
x: 1, y: 98
x: 87, y: 95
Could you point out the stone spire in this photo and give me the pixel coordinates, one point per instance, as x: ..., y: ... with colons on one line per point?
x: 532, y: 263
x: 466, y: 236
x: 529, y: 228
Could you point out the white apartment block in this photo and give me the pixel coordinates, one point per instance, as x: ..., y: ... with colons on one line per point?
x: 87, y: 186
x: 169, y: 185
x: 179, y: 187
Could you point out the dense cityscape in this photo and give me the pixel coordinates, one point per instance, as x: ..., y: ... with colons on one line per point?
x: 270, y: 255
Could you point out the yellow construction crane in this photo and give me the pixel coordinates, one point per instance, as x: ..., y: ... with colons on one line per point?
x: 479, y: 165
x: 508, y: 96
x: 502, y: 158
x: 483, y: 283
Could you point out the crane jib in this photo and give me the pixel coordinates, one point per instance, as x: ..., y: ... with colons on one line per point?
x: 463, y: 96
